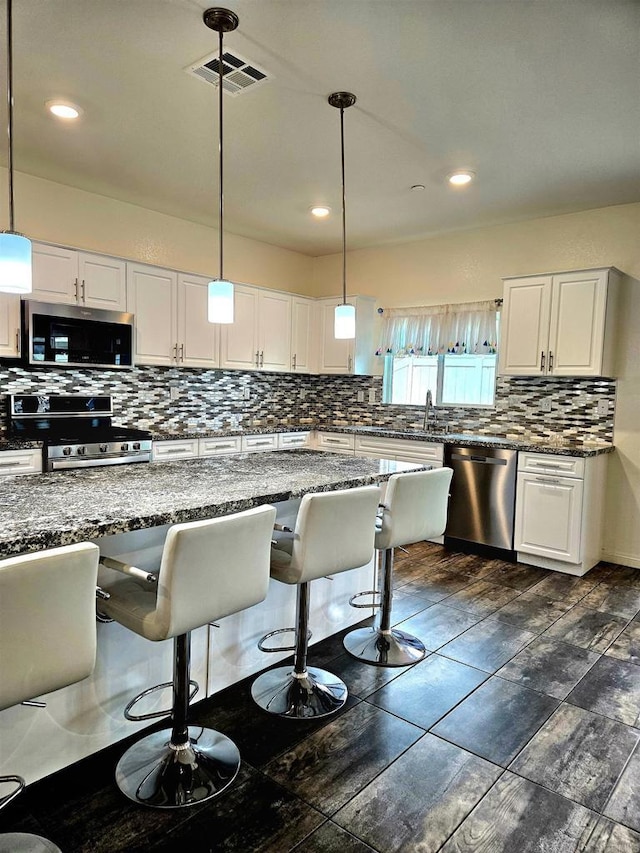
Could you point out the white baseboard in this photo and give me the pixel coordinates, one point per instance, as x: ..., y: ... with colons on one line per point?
x: 621, y: 559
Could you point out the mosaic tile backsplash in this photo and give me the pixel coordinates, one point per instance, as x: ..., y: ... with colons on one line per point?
x: 212, y: 400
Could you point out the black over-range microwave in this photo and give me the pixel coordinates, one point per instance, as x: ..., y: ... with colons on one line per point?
x: 76, y: 336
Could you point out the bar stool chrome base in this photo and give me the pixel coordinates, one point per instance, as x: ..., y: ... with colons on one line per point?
x: 22, y: 842
x: 155, y: 773
x: 384, y: 648
x: 309, y: 695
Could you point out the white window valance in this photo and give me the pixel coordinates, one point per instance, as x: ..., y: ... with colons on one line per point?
x: 461, y: 327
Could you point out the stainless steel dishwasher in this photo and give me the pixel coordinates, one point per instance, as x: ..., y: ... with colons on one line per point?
x: 483, y: 495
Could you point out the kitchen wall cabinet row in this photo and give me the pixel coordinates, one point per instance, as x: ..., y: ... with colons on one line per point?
x: 272, y: 330
x: 560, y: 324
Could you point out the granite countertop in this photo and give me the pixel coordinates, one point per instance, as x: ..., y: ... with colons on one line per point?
x: 537, y: 445
x: 46, y: 510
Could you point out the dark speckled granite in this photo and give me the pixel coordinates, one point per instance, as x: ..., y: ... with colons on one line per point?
x: 45, y: 510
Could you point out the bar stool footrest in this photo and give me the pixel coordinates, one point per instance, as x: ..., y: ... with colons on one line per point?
x: 263, y: 648
x: 154, y: 715
x: 374, y: 604
x: 18, y: 781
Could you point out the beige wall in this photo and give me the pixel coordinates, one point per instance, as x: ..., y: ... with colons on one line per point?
x: 60, y: 214
x: 469, y: 265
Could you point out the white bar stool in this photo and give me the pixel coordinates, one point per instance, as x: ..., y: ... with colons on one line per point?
x: 48, y: 641
x: 414, y: 509
x: 334, y: 533
x: 209, y: 569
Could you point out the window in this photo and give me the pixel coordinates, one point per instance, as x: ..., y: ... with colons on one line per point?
x: 450, y: 350
x: 454, y: 380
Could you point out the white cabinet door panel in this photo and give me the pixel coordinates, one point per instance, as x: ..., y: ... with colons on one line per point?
x: 55, y: 274
x: 9, y: 325
x: 549, y: 517
x: 576, y: 337
x: 103, y: 282
x: 336, y: 356
x: 239, y: 340
x: 274, y: 325
x: 152, y: 299
x: 198, y: 339
x: 301, y: 334
x: 524, y: 335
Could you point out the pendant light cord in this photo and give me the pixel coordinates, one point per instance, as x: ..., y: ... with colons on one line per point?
x: 221, y: 157
x: 10, y: 111
x: 344, y: 213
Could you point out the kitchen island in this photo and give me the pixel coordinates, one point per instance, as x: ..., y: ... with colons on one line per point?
x: 126, y: 510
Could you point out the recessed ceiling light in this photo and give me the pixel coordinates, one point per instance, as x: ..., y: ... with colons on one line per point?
x: 320, y: 211
x: 62, y: 109
x: 417, y: 188
x: 461, y: 177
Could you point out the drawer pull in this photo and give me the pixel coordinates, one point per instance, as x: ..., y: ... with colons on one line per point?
x: 174, y: 450
x: 548, y: 479
x: 333, y: 441
x: 12, y: 464
x: 259, y: 443
x: 219, y: 446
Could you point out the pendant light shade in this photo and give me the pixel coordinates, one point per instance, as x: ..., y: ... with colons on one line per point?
x: 220, y: 303
x: 15, y: 249
x: 345, y: 314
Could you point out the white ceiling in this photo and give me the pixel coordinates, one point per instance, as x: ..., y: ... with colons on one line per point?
x: 540, y: 97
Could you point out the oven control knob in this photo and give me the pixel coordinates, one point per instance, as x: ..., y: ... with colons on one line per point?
x: 124, y: 447
x: 81, y: 451
x: 66, y: 451
x: 103, y: 448
x: 136, y: 445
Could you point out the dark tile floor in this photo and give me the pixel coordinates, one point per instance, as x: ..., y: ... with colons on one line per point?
x: 518, y: 733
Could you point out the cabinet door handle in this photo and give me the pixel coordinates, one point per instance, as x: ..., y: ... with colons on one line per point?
x: 257, y: 358
x: 175, y: 352
x: 18, y: 347
x: 82, y: 290
x: 77, y: 293
x: 262, y: 358
x: 350, y: 364
x: 181, y: 352
x: 550, y: 362
x: 295, y: 359
x: 542, y: 362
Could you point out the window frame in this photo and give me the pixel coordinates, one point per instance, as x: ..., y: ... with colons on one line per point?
x: 387, y: 385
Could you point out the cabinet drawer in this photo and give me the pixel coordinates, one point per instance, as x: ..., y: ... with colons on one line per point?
x: 293, y: 439
x: 393, y: 448
x: 180, y: 449
x: 257, y: 443
x: 336, y: 442
x: 566, y: 466
x: 20, y: 462
x: 220, y: 446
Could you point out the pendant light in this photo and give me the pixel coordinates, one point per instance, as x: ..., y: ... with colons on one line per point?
x: 345, y: 314
x: 221, y: 295
x: 15, y: 249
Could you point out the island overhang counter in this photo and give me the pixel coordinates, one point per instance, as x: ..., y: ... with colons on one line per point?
x: 126, y: 510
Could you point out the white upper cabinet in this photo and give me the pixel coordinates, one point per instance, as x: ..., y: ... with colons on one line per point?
x: 346, y: 356
x: 274, y: 330
x: 170, y: 316
x: 78, y: 278
x: 239, y: 340
x: 302, y: 316
x: 198, y: 339
x: 152, y: 297
x: 260, y: 336
x: 559, y: 325
x: 9, y: 326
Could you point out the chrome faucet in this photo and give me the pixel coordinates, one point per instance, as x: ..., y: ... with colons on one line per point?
x: 428, y: 407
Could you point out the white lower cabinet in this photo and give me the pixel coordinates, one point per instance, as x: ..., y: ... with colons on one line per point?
x: 559, y: 509
x: 291, y: 440
x: 183, y: 448
x: 259, y: 443
x: 27, y: 461
x: 335, y: 442
x: 219, y: 446
x: 400, y: 449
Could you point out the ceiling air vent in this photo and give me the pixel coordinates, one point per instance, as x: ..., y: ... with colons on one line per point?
x: 239, y: 75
